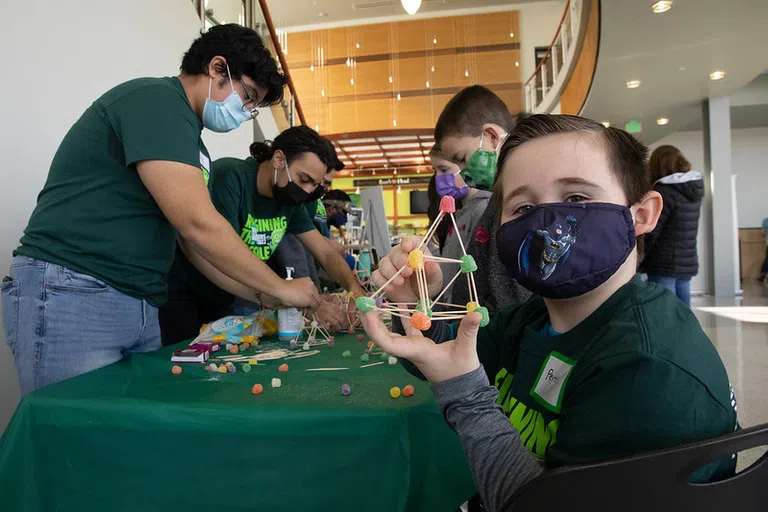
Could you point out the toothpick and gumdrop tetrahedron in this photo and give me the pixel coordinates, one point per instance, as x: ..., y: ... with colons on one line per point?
x: 420, y: 313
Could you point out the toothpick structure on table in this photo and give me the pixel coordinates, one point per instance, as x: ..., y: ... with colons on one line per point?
x: 315, y: 328
x: 420, y: 313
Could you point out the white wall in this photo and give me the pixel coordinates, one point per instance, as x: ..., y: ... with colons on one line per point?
x: 60, y: 57
x: 538, y: 24
x: 749, y: 147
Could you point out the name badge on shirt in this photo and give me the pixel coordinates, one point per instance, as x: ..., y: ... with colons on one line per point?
x: 549, y: 387
x: 205, y: 166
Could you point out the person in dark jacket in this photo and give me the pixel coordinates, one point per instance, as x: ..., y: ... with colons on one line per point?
x: 671, y: 258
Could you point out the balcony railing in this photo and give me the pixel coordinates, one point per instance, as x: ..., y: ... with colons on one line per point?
x: 542, y: 90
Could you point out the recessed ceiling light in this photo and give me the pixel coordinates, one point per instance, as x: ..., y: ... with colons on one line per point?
x: 427, y: 84
x: 322, y: 93
x: 322, y: 14
x: 512, y: 34
x: 661, y: 6
x: 317, y: 128
x: 394, y: 122
x: 351, y: 81
x: 633, y: 84
x: 398, y: 96
x: 607, y: 124
x: 433, y: 69
x: 311, y: 67
x: 357, y: 45
x: 434, y: 40
x: 662, y: 121
x: 517, y: 63
x: 717, y: 75
x: 466, y: 73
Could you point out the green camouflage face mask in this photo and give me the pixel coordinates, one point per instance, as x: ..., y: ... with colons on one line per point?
x: 480, y: 168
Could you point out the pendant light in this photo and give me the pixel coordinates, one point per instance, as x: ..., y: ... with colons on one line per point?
x: 411, y: 6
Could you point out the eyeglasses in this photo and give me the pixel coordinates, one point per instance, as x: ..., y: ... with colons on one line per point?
x: 253, y: 111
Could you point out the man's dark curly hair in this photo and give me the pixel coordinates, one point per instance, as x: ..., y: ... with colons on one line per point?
x: 245, y: 54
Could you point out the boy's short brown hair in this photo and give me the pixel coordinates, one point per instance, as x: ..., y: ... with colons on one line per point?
x: 626, y: 154
x: 469, y: 110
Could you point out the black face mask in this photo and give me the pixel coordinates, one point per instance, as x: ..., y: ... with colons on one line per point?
x: 291, y: 194
x: 317, y: 193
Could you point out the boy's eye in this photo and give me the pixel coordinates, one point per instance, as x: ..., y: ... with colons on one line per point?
x: 575, y: 198
x: 522, y: 209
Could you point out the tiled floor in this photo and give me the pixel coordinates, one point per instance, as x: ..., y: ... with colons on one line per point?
x: 744, y: 349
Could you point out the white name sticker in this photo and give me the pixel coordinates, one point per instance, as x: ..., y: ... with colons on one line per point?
x: 205, y: 162
x: 549, y: 387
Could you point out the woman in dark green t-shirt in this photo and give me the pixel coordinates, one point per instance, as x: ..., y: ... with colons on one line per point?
x: 263, y: 197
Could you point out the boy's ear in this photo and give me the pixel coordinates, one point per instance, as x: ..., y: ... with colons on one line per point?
x: 646, y: 212
x: 494, y: 133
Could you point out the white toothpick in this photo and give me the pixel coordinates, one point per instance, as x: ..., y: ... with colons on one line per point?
x: 458, y: 235
x: 447, y: 287
x: 389, y: 281
x: 440, y: 259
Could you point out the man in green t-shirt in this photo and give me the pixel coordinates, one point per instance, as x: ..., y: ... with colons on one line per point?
x: 263, y: 199
x: 601, y: 365
x: 129, y: 178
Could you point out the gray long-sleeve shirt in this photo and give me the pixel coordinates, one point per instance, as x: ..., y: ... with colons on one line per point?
x: 500, y: 463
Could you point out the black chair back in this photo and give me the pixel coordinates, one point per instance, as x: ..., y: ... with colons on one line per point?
x: 654, y: 482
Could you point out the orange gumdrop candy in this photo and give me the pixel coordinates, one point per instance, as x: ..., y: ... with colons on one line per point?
x: 408, y: 390
x: 282, y: 368
x: 420, y: 321
x: 257, y: 389
x: 176, y: 370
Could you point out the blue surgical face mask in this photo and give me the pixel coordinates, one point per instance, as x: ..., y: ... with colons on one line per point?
x: 563, y: 250
x: 224, y: 116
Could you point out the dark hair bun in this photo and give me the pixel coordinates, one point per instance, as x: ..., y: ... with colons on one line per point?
x: 262, y: 151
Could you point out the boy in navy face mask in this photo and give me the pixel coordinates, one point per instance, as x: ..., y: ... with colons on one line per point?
x: 601, y: 365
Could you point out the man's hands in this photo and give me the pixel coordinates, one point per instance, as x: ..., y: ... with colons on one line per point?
x: 299, y: 293
x: 404, y: 288
x: 438, y: 362
x: 331, y: 316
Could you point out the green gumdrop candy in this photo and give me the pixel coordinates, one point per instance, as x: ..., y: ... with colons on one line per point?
x: 346, y: 353
x: 365, y: 304
x: 468, y: 264
x: 484, y: 312
x: 420, y: 307
x: 364, y: 358
x: 246, y: 368
x: 384, y: 356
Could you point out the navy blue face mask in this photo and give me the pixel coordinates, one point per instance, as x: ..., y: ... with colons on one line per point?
x: 563, y: 250
x: 337, y: 220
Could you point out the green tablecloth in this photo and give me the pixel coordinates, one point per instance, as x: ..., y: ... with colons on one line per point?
x: 133, y: 436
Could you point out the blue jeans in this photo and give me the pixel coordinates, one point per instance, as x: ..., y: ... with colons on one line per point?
x: 60, y: 323
x: 680, y: 286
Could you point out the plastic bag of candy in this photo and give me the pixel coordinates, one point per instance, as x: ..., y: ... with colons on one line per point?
x: 232, y: 329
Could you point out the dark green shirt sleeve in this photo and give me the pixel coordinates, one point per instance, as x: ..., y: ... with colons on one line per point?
x: 653, y: 404
x: 300, y: 221
x: 156, y: 123
x: 227, y: 195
